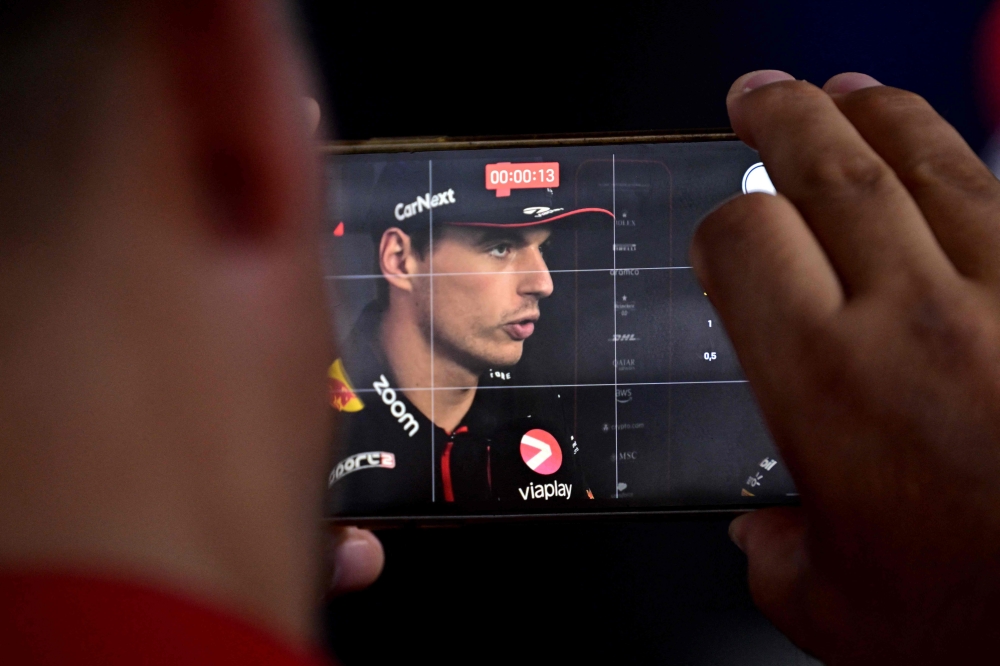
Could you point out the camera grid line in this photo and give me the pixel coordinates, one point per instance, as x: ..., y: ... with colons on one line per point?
x: 430, y: 222
x: 557, y: 386
x: 614, y: 303
x: 372, y: 276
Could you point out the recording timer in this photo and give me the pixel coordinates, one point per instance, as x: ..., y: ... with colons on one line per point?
x: 506, y: 176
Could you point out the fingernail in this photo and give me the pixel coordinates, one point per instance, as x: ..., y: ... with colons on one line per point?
x: 737, y: 531
x: 755, y: 80
x: 347, y: 554
x: 848, y: 82
x: 313, y: 114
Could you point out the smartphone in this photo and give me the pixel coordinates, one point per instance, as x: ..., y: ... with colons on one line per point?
x: 520, y: 333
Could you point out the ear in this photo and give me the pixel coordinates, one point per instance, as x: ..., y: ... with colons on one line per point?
x: 397, y: 259
x: 240, y: 83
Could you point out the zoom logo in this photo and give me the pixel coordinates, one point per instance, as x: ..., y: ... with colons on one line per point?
x: 541, y: 452
x: 396, y: 406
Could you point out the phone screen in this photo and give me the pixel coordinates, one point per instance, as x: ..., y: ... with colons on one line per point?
x: 520, y: 332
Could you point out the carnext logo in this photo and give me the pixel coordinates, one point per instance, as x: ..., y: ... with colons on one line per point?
x: 426, y: 202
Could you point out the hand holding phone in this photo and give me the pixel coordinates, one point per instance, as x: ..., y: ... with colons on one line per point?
x: 864, y: 304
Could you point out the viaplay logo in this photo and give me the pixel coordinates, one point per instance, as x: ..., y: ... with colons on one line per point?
x: 540, y: 452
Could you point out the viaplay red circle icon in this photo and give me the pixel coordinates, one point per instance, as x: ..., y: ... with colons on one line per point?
x: 540, y: 452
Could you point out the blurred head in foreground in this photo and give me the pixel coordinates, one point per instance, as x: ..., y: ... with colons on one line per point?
x: 163, y: 341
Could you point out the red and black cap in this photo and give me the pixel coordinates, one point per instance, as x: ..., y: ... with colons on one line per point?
x: 471, y: 192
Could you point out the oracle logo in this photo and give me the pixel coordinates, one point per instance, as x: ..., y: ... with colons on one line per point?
x: 360, y: 461
x: 541, y: 452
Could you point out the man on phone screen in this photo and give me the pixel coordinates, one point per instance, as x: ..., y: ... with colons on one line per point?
x: 426, y: 382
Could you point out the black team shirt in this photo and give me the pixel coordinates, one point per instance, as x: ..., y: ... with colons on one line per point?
x: 512, y: 447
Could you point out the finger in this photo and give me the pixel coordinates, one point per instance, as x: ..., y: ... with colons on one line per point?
x: 866, y: 221
x: 959, y: 196
x: 777, y: 568
x: 357, y: 559
x: 773, y: 286
x: 313, y: 114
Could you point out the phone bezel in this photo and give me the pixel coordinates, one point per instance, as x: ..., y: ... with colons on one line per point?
x: 442, y: 143
x: 435, y: 143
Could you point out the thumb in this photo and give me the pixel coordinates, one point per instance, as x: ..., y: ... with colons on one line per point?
x: 774, y: 543
x: 313, y: 114
x: 356, y: 557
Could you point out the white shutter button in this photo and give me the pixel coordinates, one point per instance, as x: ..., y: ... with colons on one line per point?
x: 757, y: 180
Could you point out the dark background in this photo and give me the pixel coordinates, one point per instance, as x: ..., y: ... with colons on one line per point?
x: 665, y: 592
x: 416, y: 69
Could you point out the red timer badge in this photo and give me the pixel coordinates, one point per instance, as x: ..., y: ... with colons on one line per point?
x: 504, y: 176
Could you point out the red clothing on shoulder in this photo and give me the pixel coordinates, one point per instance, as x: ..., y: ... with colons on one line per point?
x: 50, y: 618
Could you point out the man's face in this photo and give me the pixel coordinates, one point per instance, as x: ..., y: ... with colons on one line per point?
x: 486, y: 287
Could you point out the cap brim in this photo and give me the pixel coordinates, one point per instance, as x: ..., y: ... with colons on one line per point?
x: 532, y: 223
